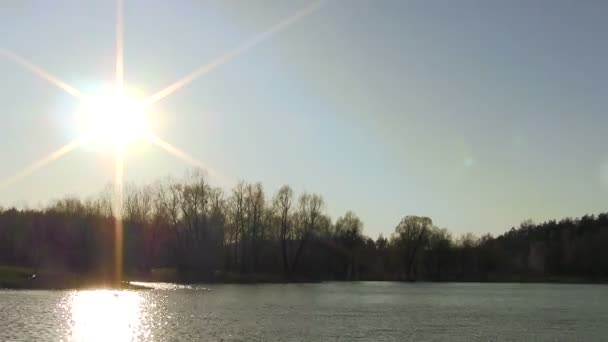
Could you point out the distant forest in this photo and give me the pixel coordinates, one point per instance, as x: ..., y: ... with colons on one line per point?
x: 188, y: 230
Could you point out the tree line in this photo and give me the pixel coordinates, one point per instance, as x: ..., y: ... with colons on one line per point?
x: 203, y: 233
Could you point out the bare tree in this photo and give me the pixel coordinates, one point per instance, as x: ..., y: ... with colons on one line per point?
x: 254, y: 204
x: 138, y: 204
x: 282, y: 203
x: 217, y: 214
x: 100, y: 205
x: 412, y: 233
x: 237, y: 222
x: 309, y: 219
x: 349, y: 230
x: 168, y: 214
x: 438, y: 252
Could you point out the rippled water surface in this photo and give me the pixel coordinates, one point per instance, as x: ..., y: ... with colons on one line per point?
x: 311, y: 312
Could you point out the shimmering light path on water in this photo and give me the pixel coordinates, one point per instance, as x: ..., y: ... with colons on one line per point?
x: 311, y: 312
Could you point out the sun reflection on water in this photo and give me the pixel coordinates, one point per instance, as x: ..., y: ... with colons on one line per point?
x: 105, y: 315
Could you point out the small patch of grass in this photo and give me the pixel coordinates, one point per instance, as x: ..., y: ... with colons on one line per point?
x: 13, y: 276
x: 163, y: 274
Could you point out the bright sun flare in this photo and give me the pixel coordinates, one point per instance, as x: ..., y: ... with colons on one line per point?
x: 118, y: 118
x: 113, y: 118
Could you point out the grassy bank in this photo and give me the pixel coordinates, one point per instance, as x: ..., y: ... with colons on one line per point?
x: 171, y: 275
x: 12, y: 277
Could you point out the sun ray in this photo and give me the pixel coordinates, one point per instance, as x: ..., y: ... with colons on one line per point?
x: 38, y: 71
x: 118, y: 202
x: 156, y: 140
x: 65, y: 149
x: 257, y: 39
x: 119, y: 46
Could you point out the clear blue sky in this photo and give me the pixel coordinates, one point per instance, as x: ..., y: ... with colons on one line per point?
x: 479, y: 114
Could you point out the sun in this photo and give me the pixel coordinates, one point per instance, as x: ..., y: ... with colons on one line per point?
x: 113, y: 117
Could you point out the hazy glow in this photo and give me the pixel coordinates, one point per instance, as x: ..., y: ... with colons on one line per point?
x: 119, y: 119
x: 103, y: 315
x: 38, y: 71
x: 155, y: 140
x: 206, y: 68
x: 60, y: 152
x: 119, y: 47
x: 112, y: 118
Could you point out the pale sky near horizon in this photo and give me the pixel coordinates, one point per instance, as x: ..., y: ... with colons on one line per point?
x: 478, y: 114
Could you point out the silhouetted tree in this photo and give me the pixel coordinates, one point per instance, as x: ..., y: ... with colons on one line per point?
x: 207, y: 234
x: 309, y: 220
x: 282, y: 203
x: 348, y: 231
x: 412, y: 235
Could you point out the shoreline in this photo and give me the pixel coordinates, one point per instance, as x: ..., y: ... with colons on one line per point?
x: 134, y: 284
x: 21, y: 278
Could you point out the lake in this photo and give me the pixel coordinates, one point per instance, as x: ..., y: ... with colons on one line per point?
x: 365, y: 311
